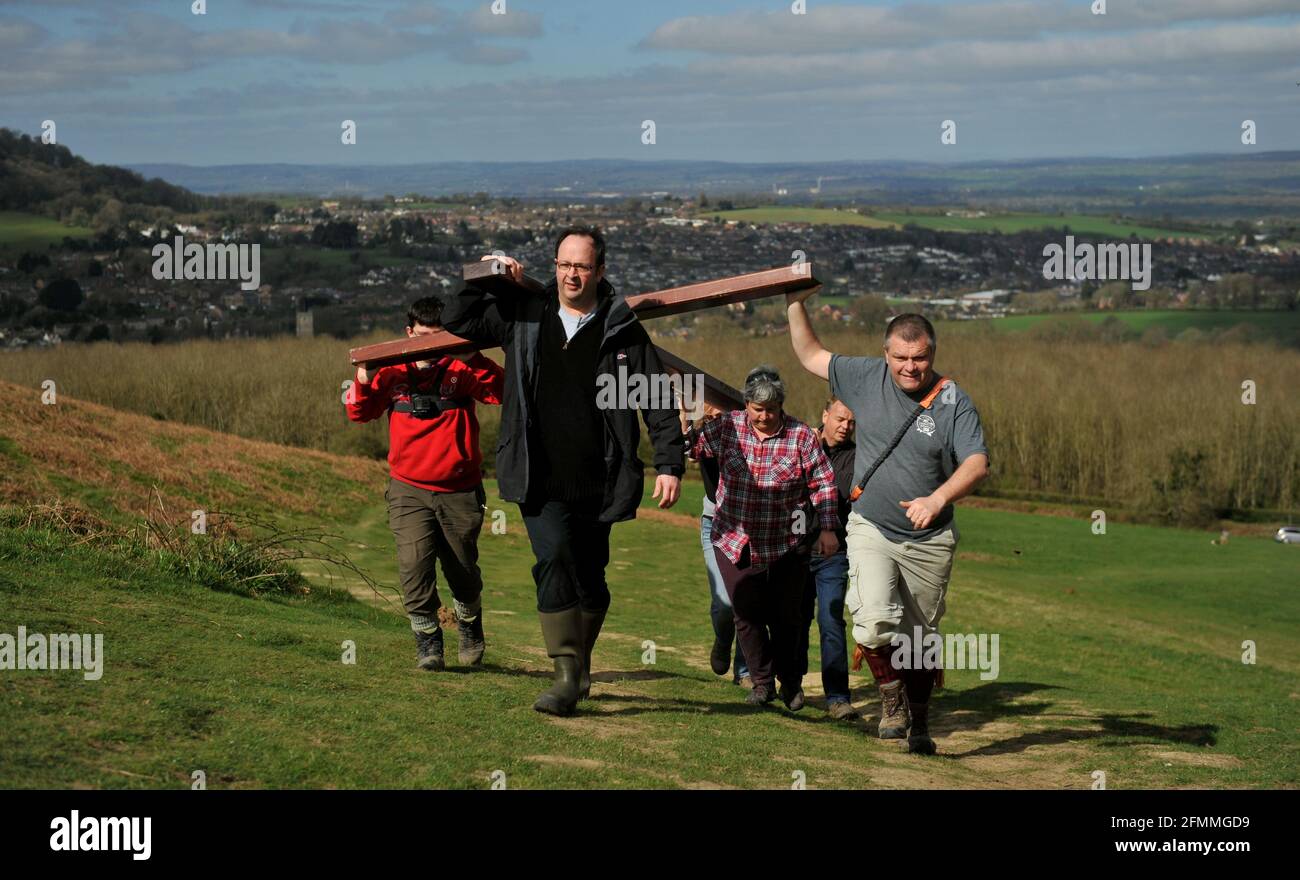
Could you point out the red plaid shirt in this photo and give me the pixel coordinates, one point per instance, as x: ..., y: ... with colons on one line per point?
x: 762, y: 482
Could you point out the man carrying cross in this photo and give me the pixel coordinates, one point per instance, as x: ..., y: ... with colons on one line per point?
x: 919, y: 451
x: 570, y: 464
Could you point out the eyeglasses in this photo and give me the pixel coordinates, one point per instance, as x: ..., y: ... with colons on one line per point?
x: 580, y: 268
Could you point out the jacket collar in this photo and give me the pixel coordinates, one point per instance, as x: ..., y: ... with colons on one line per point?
x: 618, y: 314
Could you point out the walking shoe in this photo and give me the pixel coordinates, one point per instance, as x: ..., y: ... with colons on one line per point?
x: 841, y: 711
x: 893, y: 710
x: 744, y: 681
x: 720, y: 656
x: 761, y: 695
x: 792, y: 697
x: 428, y: 647
x: 918, y: 738
x: 562, y: 632
x: 471, y: 640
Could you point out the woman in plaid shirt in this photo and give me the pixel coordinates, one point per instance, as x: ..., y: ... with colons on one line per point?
x: 772, y: 475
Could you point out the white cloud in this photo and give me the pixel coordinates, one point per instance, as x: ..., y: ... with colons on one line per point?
x: 142, y: 44
x: 855, y: 28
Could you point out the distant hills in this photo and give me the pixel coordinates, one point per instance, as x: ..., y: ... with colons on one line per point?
x: 51, y: 181
x: 48, y: 179
x: 1267, y: 183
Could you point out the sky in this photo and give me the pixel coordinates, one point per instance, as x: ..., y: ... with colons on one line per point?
x: 264, y: 81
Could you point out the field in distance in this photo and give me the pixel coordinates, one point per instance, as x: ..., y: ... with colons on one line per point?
x: 994, y: 222
x: 22, y: 231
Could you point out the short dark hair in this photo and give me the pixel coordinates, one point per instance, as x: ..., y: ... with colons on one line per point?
x: 426, y: 310
x: 830, y: 402
x: 591, y: 232
x: 910, y: 327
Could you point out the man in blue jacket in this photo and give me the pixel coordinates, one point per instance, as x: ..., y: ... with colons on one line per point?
x: 570, y: 463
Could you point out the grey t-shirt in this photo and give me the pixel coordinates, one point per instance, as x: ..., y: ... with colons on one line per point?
x: 573, y: 323
x: 939, y: 440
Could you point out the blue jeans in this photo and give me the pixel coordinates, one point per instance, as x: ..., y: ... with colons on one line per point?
x: 828, y: 580
x: 719, y: 602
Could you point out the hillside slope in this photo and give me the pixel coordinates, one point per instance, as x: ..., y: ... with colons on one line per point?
x: 1120, y: 653
x: 119, y: 464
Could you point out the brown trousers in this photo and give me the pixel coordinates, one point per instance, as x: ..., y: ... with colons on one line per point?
x: 430, y: 527
x: 766, y: 605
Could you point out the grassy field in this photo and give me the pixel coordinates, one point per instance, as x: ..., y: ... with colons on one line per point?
x: 1007, y: 223
x: 1015, y: 222
x: 791, y: 214
x: 1118, y: 652
x: 22, y: 231
x: 330, y: 259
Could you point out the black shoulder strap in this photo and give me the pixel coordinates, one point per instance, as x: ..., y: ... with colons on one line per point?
x: 405, y: 406
x: 898, y: 436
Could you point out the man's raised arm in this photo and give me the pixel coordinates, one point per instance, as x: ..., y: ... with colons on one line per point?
x: 807, y: 347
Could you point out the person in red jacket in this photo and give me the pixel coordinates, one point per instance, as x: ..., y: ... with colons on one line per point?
x: 435, y: 492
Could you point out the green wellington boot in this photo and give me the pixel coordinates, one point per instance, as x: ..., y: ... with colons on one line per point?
x: 592, y: 621
x: 562, y: 632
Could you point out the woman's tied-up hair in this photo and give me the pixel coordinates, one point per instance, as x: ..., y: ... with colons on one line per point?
x: 764, y: 385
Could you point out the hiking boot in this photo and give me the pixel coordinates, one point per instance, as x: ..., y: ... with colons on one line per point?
x: 841, y: 711
x: 745, y: 681
x: 471, y: 640
x: 792, y: 697
x: 918, y: 738
x: 760, y: 695
x: 893, y: 710
x: 562, y: 632
x: 428, y: 648
x: 720, y: 656
x: 592, y: 621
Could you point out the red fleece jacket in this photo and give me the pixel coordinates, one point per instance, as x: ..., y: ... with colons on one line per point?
x: 439, y: 454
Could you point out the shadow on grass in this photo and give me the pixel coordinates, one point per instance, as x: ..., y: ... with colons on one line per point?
x: 648, y: 704
x: 546, y: 674
x: 996, y: 700
x: 661, y: 705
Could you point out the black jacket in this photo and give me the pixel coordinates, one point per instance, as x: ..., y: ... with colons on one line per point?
x: 514, y: 323
x: 841, y: 458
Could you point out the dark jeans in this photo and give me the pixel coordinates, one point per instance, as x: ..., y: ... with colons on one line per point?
x: 828, y: 579
x: 766, y: 608
x: 430, y: 527
x: 720, y: 612
x: 571, y: 545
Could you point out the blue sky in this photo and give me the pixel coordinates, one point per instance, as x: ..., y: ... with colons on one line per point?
x: 133, y: 81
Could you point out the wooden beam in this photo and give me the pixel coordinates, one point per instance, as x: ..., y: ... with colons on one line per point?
x: 716, y: 392
x: 411, y: 348
x: 489, y: 276
x: 722, y: 291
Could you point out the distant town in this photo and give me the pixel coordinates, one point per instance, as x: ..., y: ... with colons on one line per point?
x: 349, y: 267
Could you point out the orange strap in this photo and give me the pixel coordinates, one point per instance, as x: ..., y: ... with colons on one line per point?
x: 858, y: 656
x: 934, y: 392
x: 898, y: 437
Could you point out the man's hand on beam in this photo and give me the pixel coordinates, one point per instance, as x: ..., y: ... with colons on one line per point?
x: 799, y: 296
x: 513, y: 266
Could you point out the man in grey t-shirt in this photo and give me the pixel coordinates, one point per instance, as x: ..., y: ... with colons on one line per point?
x: 901, y: 534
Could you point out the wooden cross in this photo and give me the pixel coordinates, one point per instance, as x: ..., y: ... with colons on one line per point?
x: 491, y: 276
